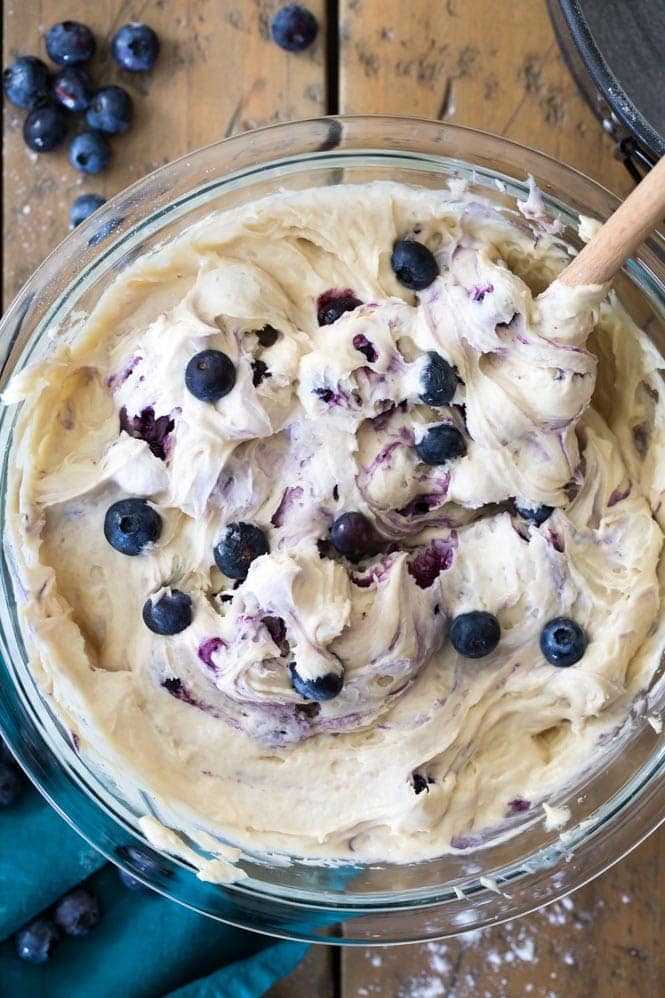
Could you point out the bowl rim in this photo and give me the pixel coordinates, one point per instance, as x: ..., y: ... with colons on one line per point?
x: 22, y: 302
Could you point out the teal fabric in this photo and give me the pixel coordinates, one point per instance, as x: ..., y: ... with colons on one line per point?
x: 145, y: 946
x: 248, y: 977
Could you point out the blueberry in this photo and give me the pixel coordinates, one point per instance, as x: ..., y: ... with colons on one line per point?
x: 240, y: 545
x: 72, y: 88
x: 562, y: 641
x: 83, y: 207
x: 26, y: 82
x: 259, y: 372
x: 77, y: 912
x: 325, y: 687
x: 332, y: 302
x: 210, y: 375
x: 37, y: 941
x: 90, y: 152
x: 130, y: 525
x: 171, y: 614
x: 70, y: 43
x: 414, y: 265
x: 267, y: 336
x: 11, y: 784
x: 135, y: 47
x: 352, y: 535
x: 110, y: 110
x: 331, y: 306
x: 475, y: 634
x: 363, y: 346
x: 45, y: 128
x: 294, y: 28
x: 438, y: 379
x: 534, y: 514
x: 441, y: 443
x: 155, y: 430
x: 419, y: 783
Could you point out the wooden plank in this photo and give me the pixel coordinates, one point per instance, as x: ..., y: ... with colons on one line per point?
x: 218, y: 73
x: 605, y: 940
x: 498, y: 67
x: 472, y: 62
x: 313, y: 977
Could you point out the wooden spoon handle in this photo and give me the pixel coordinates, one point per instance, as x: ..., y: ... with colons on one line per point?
x: 622, y: 233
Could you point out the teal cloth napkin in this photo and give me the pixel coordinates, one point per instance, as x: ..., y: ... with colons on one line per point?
x: 145, y: 945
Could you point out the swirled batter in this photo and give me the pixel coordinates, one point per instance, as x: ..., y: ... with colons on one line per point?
x: 423, y: 749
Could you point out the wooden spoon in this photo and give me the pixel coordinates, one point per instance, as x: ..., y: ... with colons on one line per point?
x: 622, y: 233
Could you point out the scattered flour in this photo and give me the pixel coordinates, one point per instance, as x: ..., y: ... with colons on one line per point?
x: 453, y: 967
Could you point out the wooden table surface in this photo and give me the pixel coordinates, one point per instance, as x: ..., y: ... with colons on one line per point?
x: 477, y: 62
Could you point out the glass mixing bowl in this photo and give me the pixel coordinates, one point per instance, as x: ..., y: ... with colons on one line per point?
x: 614, y: 805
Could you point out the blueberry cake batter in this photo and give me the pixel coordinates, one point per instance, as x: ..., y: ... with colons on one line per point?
x: 336, y: 525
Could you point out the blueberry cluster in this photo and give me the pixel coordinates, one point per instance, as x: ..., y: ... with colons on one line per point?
x: 76, y: 914
x: 51, y: 98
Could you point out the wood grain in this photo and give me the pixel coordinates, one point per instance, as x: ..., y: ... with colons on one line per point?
x: 476, y: 62
x: 602, y: 942
x: 218, y: 73
x: 494, y: 66
x: 498, y: 67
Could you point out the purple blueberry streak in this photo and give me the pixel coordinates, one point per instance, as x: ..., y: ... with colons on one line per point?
x: 209, y: 648
x: 480, y: 290
x: 154, y: 430
x: 619, y: 495
x: 432, y: 560
x: 290, y: 498
x: 363, y: 346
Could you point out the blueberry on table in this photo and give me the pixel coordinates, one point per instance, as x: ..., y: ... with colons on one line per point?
x: 110, y: 110
x: 135, y: 47
x: 45, y: 128
x: 294, y: 28
x: 441, y: 443
x: 26, y: 82
x: 475, y: 634
x: 331, y: 306
x: 90, y: 152
x: 171, y: 614
x: 325, y: 687
x: 70, y: 43
x: 414, y: 265
x: 72, y: 88
x: 140, y: 862
x: 83, y: 207
x: 130, y: 525
x: 240, y: 545
x: 37, y: 941
x: 563, y: 642
x: 210, y: 375
x: 438, y: 380
x: 352, y: 535
x: 11, y: 784
x: 77, y: 912
x: 534, y: 514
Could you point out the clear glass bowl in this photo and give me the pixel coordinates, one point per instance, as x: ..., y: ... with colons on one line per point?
x: 613, y: 807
